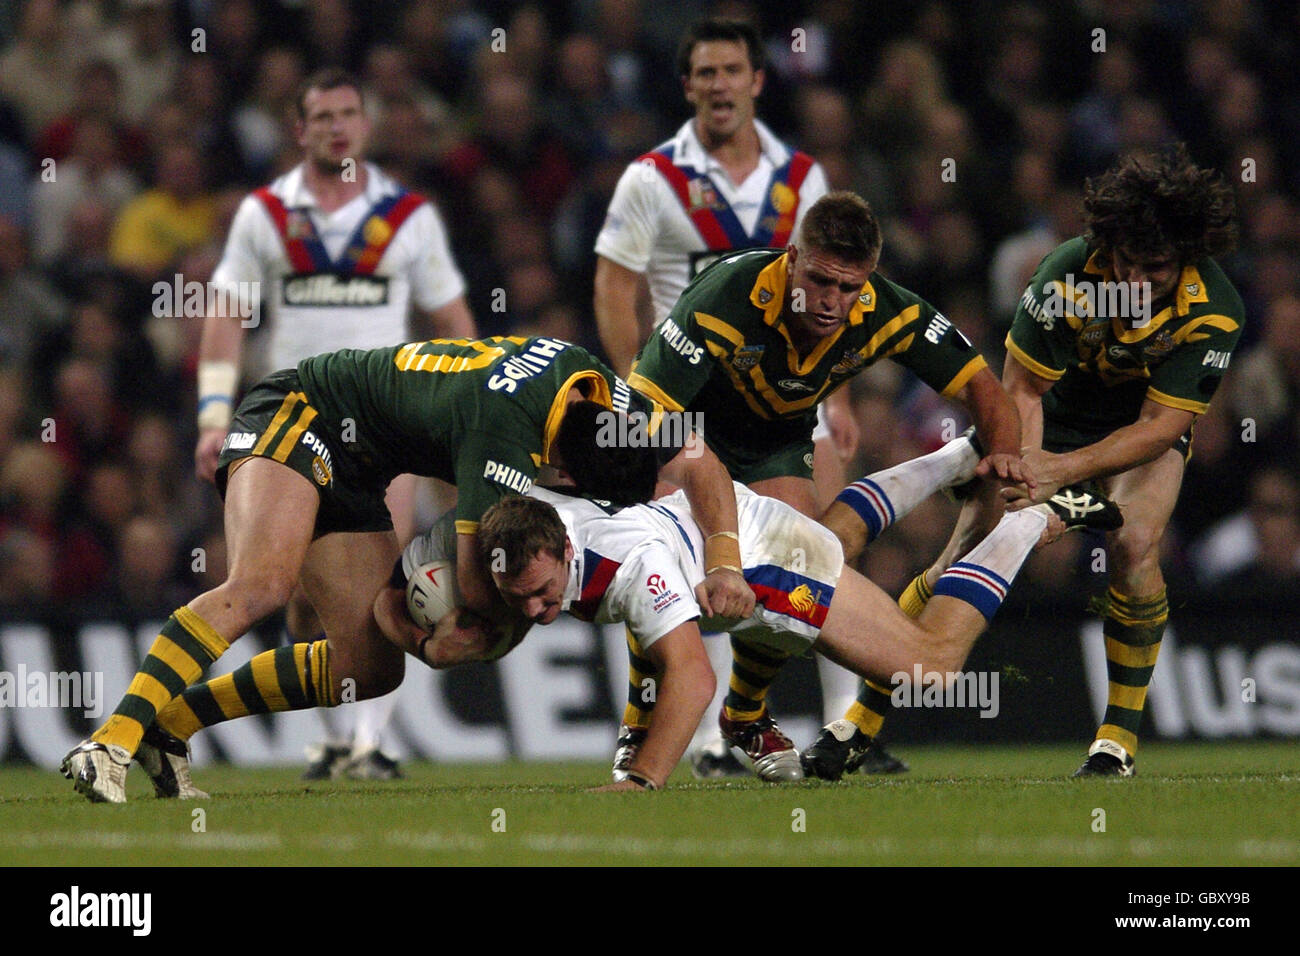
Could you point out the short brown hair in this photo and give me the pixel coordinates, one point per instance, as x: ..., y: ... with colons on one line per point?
x: 1149, y: 204
x: 517, y: 529
x: 842, y: 224
x: 329, y: 78
x: 713, y: 29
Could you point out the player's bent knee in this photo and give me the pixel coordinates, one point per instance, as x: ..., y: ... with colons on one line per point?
x: 1135, y: 545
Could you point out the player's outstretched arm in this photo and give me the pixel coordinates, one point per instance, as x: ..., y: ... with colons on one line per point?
x: 1157, y: 429
x: 683, y: 694
x: 997, y: 423
x: 712, y: 497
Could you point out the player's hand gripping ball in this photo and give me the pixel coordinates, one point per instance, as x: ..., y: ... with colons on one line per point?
x: 431, y: 593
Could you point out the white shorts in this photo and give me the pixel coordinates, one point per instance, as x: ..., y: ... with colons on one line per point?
x: 792, y: 563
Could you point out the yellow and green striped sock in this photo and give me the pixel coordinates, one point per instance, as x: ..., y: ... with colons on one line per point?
x: 183, y: 649
x: 295, y: 677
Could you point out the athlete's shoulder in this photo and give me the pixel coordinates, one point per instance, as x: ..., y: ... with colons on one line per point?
x: 1071, y: 256
x: 891, y: 298
x: 1220, y: 295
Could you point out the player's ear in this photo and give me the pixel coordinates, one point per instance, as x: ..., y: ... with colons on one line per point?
x: 760, y: 77
x: 568, y: 550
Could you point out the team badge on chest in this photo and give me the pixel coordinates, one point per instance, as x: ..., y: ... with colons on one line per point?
x: 747, y: 356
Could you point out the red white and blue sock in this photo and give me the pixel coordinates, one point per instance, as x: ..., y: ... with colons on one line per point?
x: 983, y: 577
x: 883, y: 497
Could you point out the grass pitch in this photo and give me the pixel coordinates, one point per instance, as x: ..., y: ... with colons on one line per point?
x: 1216, y: 805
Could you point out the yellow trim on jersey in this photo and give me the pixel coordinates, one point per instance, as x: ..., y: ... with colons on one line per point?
x: 1190, y: 290
x: 281, y: 416
x: 1172, y: 401
x: 651, y: 390
x: 778, y: 403
x: 1029, y: 362
x: 1139, y: 332
x: 772, y: 281
x: 902, y: 345
x: 600, y: 395
x: 466, y: 527
x: 282, y: 450
x: 889, y: 329
x: 961, y: 378
x: 719, y: 327
x: 1221, y: 322
x: 720, y: 353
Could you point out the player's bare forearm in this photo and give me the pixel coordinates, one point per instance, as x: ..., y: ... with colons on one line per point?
x: 616, y: 291
x: 682, y: 695
x: 218, y: 377
x: 997, y: 423
x: 1026, y: 390
x: 708, y: 487
x: 1153, y: 434
x: 451, y: 321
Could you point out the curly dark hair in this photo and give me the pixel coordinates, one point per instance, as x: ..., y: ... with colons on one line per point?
x: 1149, y: 204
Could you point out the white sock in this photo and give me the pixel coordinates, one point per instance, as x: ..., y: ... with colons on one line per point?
x: 372, y: 718
x: 982, y: 577
x: 883, y: 497
x: 839, y: 688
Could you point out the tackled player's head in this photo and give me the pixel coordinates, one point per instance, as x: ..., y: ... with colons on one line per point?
x: 601, y: 460
x: 1153, y: 213
x: 829, y: 262
x: 525, y: 546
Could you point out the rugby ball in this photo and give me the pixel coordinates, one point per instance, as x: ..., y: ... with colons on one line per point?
x: 431, y: 593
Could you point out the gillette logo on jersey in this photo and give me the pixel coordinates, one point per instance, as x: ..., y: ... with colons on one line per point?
x: 715, y: 220
x: 664, y: 596
x: 349, y: 281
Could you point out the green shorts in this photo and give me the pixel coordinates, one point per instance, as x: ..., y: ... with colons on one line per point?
x: 277, y: 421
x: 795, y: 459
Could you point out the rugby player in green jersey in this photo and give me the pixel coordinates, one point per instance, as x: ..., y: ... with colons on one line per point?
x: 1119, y: 343
x: 752, y: 346
x: 303, y: 472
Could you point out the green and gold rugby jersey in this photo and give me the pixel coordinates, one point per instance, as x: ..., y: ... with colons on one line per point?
x: 725, y: 353
x: 481, y: 414
x: 1066, y: 329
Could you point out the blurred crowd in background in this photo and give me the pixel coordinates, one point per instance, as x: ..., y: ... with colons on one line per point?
x: 130, y: 130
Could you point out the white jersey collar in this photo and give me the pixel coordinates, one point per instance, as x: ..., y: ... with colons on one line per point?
x: 689, y: 151
x: 292, y: 187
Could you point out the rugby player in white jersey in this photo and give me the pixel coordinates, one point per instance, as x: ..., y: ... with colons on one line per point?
x: 343, y: 257
x: 723, y: 182
x: 642, y: 565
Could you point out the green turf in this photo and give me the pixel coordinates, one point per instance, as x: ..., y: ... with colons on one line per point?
x: 1236, y: 804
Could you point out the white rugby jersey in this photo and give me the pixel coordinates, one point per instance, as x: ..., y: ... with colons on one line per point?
x: 640, y: 566
x: 342, y: 298
x: 648, y: 229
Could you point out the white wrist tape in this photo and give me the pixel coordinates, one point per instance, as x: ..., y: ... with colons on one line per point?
x: 217, y: 381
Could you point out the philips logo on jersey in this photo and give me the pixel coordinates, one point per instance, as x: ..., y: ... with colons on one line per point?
x: 679, y: 343
x: 1217, y: 359
x: 327, y: 289
x: 532, y: 361
x: 511, y: 478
